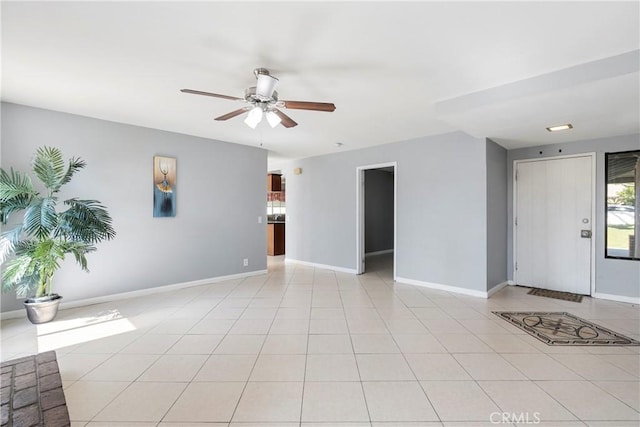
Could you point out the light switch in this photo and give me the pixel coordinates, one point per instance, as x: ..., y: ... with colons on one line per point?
x: 259, y: 220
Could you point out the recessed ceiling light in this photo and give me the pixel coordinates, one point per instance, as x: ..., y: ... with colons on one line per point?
x: 339, y: 144
x: 558, y: 128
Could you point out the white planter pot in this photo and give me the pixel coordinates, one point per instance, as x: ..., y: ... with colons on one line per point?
x: 43, y: 309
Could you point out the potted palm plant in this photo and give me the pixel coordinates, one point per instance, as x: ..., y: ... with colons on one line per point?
x: 32, y: 250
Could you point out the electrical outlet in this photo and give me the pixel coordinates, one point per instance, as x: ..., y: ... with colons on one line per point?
x: 245, y: 262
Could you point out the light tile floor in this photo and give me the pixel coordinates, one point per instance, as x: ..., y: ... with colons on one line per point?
x: 309, y: 347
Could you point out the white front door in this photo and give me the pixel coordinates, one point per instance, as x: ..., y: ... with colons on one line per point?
x: 554, y: 224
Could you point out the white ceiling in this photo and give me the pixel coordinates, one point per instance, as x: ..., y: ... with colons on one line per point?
x: 395, y: 71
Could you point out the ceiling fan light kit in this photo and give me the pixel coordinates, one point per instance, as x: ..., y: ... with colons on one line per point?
x: 254, y: 117
x: 273, y: 119
x: 262, y: 99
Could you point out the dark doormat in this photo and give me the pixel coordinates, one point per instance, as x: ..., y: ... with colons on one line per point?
x: 32, y: 392
x: 565, y: 296
x: 562, y: 328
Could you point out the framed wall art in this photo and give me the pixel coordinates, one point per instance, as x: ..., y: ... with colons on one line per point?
x: 164, y: 186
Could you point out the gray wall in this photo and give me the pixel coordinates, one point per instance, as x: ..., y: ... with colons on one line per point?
x: 221, y: 192
x: 614, y: 277
x: 441, y: 208
x: 378, y: 210
x: 496, y: 214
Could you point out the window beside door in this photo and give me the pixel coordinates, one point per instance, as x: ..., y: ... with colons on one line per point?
x: 622, y: 223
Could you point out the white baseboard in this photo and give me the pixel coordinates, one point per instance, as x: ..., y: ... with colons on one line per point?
x: 440, y: 287
x: 619, y: 298
x: 386, y: 251
x: 139, y: 293
x: 321, y: 266
x: 497, y: 288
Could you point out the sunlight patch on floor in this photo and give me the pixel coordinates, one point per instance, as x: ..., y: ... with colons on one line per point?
x: 68, y: 332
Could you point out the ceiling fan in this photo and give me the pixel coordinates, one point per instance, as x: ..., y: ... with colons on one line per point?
x: 262, y: 100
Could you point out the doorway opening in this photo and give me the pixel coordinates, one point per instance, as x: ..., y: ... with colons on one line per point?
x: 376, y: 216
x: 276, y: 213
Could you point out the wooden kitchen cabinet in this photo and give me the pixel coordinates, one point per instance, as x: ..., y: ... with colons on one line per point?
x: 275, y: 239
x: 274, y: 182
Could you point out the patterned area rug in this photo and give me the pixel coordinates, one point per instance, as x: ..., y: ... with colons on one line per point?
x: 565, y: 296
x: 562, y: 328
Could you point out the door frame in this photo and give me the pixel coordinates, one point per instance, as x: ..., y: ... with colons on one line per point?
x: 594, y: 226
x: 360, y: 213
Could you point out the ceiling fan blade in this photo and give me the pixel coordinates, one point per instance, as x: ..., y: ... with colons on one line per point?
x: 215, y: 95
x: 316, y: 106
x: 232, y: 114
x: 286, y: 120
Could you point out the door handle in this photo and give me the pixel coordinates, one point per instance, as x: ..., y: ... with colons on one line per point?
x: 585, y: 234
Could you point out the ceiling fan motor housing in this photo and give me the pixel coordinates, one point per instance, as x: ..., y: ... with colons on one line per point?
x: 266, y: 84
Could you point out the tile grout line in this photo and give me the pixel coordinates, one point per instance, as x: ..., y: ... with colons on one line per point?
x: 255, y: 362
x: 355, y: 359
x: 369, y: 289
x: 306, y: 356
x: 450, y: 354
x: 186, y: 333
x: 166, y: 351
x: 405, y: 358
x: 610, y: 394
